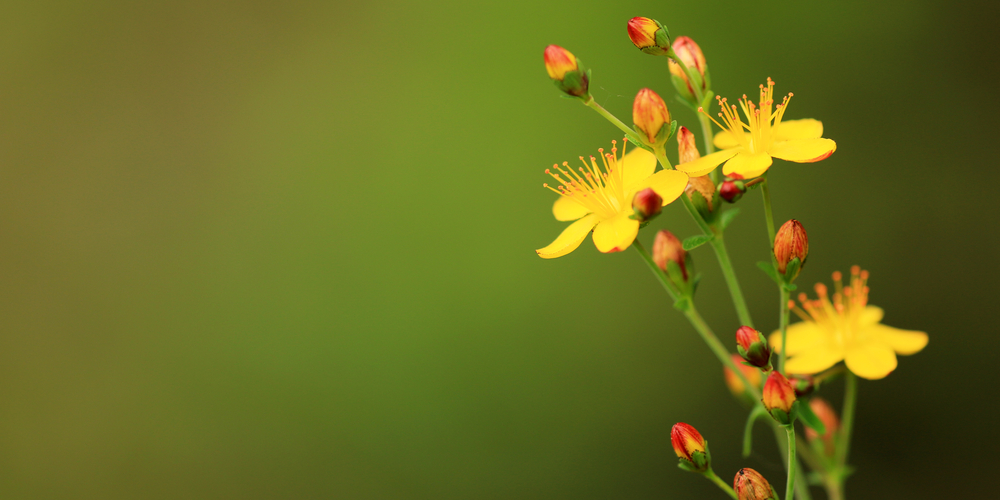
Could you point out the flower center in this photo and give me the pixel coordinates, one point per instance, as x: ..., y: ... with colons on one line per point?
x: 839, y: 316
x: 602, y: 191
x: 761, y: 119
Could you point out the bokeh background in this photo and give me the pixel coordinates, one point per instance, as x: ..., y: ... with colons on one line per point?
x: 285, y: 249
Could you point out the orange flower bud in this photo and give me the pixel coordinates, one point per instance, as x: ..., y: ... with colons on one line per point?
x: 750, y: 485
x: 564, y: 68
x: 687, y: 151
x: 829, y: 418
x: 689, y: 446
x: 649, y: 113
x: 649, y: 36
x: 667, y: 248
x: 690, y: 54
x: 752, y: 345
x: 735, y: 384
x: 732, y: 191
x: 791, y: 242
x: 778, y: 397
x: 646, y: 204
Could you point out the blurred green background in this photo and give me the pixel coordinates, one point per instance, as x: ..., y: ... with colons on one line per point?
x: 285, y: 249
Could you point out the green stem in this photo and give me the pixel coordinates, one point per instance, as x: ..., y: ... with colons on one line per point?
x: 706, y: 132
x: 611, y: 118
x: 730, y: 275
x: 792, y: 463
x: 847, y: 425
x: 766, y: 191
x: 783, y: 325
x: 801, y: 488
x: 710, y: 474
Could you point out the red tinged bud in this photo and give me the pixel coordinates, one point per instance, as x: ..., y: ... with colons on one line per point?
x: 829, y: 418
x: 752, y: 345
x: 690, y: 54
x: 779, y: 397
x: 650, y: 115
x: 649, y: 36
x: 701, y: 192
x: 750, y: 485
x: 790, y: 243
x: 690, y: 447
x: 646, y: 204
x: 736, y: 385
x: 565, y: 70
x: 667, y: 248
x: 687, y: 151
x: 732, y: 191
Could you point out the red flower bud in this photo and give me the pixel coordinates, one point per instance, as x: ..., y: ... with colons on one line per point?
x: 735, y: 384
x: 752, y: 345
x: 829, y: 418
x: 650, y: 114
x: 778, y: 397
x: 750, y: 485
x: 646, y: 204
x: 791, y: 242
x: 649, y: 36
x: 667, y: 248
x: 731, y: 191
x: 687, y: 150
x: 564, y: 68
x: 689, y: 446
x: 690, y: 54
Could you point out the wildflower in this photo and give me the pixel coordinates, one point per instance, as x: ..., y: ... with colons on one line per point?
x: 599, y: 198
x: 689, y: 446
x: 747, y: 148
x: 750, y: 485
x: 845, y: 328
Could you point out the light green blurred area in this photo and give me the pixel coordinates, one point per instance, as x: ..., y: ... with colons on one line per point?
x: 285, y: 250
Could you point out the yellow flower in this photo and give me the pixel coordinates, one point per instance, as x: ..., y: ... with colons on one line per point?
x: 748, y: 154
x: 845, y: 329
x: 601, y: 200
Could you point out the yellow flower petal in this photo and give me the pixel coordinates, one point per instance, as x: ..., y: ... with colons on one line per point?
x: 669, y: 184
x: 870, y: 360
x: 636, y: 166
x: 747, y: 164
x: 801, y: 337
x: 705, y: 164
x: 803, y: 150
x: 806, y: 128
x: 870, y: 316
x: 904, y: 342
x: 566, y: 209
x: 569, y: 239
x: 617, y: 233
x: 815, y: 359
x: 726, y: 140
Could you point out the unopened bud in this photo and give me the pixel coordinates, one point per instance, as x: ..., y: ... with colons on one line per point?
x: 779, y: 397
x: 701, y: 192
x: 650, y: 115
x: 804, y: 385
x: 790, y: 243
x: 750, y: 485
x: 732, y: 191
x: 829, y: 418
x: 646, y: 204
x: 565, y: 70
x: 667, y: 248
x: 752, y: 345
x: 690, y: 54
x: 690, y: 447
x: 649, y: 36
x: 734, y: 382
x: 687, y: 151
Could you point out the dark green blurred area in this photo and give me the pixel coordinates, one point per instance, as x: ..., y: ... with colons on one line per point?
x: 285, y: 249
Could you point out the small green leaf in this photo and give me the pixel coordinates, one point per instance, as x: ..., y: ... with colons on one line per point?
x: 769, y: 270
x: 727, y: 217
x: 696, y: 241
x: 809, y: 419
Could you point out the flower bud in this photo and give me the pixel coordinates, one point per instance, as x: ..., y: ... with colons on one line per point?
x: 701, y: 192
x: 690, y: 54
x: 752, y: 345
x: 829, y: 418
x: 687, y: 151
x: 804, y: 385
x: 667, y: 248
x: 750, y: 485
x: 649, y: 36
x: 736, y: 385
x: 690, y: 447
x: 646, y: 204
x: 778, y: 397
x: 566, y: 71
x: 649, y: 114
x: 791, y: 242
x: 732, y: 191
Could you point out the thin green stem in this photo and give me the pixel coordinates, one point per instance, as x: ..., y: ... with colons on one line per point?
x: 783, y: 325
x: 710, y: 474
x: 801, y: 488
x: 611, y: 118
x: 792, y: 463
x: 706, y: 133
x: 847, y: 418
x: 719, y: 245
x: 766, y: 191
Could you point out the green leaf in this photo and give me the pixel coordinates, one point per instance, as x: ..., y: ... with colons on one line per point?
x: 770, y: 271
x: 758, y: 411
x: 696, y: 241
x: 727, y: 217
x: 809, y: 419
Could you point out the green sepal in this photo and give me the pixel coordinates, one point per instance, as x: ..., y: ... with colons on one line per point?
x: 685, y: 464
x: 700, y: 460
x: 662, y: 36
x: 676, y: 275
x: 692, y: 242
x: 757, y: 412
x: 809, y: 419
x: 682, y: 90
x: 695, y: 280
x: 695, y: 76
x: 706, y: 102
x: 708, y: 82
x: 791, y: 271
x: 781, y: 416
x: 672, y: 130
x: 727, y: 217
x: 683, y: 304
x: 690, y: 104
x: 770, y: 271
